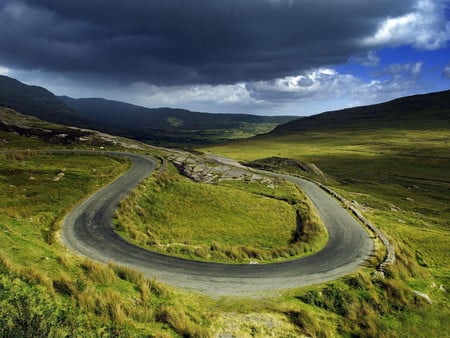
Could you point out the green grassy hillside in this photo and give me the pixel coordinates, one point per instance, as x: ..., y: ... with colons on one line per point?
x: 428, y: 111
x: 35, y: 101
x: 392, y: 162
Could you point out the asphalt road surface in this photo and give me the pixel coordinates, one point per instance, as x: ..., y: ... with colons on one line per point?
x: 88, y: 230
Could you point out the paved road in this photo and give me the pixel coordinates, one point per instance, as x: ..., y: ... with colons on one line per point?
x: 88, y: 231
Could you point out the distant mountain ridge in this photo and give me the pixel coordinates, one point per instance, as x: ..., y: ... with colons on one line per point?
x: 179, y: 126
x: 110, y: 112
x: 418, y: 111
x: 35, y: 101
x: 155, y: 125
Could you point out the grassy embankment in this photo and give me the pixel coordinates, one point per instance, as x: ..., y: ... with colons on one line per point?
x: 46, y: 290
x: 230, y: 221
x: 400, y: 180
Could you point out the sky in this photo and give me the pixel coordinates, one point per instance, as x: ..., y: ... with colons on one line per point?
x: 265, y: 57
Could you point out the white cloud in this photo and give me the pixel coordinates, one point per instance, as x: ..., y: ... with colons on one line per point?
x: 371, y: 59
x: 398, y: 71
x: 4, y: 70
x: 212, y: 98
x: 313, y: 84
x: 425, y: 28
x: 391, y: 82
x: 309, y: 92
x: 447, y: 71
x: 313, y: 90
x: 199, y: 93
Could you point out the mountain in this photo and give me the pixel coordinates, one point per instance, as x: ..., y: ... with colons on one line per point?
x: 143, y: 121
x: 164, y: 126
x: 35, y: 101
x: 419, y: 111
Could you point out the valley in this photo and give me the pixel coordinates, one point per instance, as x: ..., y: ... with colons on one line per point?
x: 394, y: 174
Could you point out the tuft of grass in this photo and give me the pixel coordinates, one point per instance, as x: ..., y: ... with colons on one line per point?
x: 127, y: 274
x: 97, y: 272
x: 181, y: 321
x: 309, y: 324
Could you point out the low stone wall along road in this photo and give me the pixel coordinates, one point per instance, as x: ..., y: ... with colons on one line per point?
x: 88, y: 230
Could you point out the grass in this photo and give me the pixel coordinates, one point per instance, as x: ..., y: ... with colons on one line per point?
x: 232, y: 221
x: 399, y: 179
x: 46, y: 290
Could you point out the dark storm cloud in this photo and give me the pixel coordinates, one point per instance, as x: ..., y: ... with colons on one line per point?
x: 179, y: 41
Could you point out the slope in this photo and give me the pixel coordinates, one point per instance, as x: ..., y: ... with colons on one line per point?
x: 391, y: 161
x: 168, y: 124
x: 137, y: 117
x: 412, y: 112
x: 35, y: 101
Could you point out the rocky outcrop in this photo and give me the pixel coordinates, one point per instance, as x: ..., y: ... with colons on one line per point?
x: 289, y: 165
x: 209, y: 169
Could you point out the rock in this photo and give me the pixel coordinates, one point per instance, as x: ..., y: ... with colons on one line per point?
x: 58, y: 177
x: 394, y: 208
x: 423, y: 295
x: 316, y: 171
x: 379, y: 274
x: 212, y: 169
x: 409, y: 199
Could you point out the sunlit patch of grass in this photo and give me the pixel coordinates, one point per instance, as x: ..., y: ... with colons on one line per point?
x: 34, y: 199
x: 227, y: 222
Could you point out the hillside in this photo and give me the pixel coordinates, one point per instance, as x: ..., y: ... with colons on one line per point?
x: 170, y: 125
x: 35, y: 101
x: 427, y: 111
x: 166, y: 126
x: 170, y: 119
x: 391, y: 161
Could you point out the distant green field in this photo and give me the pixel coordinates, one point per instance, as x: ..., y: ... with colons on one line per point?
x: 196, y: 138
